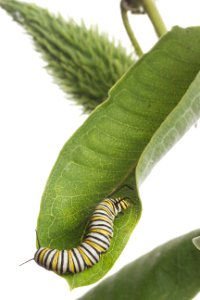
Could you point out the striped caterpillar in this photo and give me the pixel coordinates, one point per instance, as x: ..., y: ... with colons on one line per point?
x: 99, y: 232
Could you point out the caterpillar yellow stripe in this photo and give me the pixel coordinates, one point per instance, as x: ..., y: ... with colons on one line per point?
x: 95, y: 242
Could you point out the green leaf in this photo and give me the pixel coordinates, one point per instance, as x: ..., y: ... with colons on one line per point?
x: 103, y: 153
x: 82, y: 61
x: 186, y: 112
x: 171, y: 271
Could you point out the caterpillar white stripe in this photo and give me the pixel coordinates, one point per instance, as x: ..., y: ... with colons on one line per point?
x: 96, y: 241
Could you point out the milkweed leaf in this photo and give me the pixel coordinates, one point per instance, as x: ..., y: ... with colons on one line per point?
x: 106, y: 149
x: 171, y: 271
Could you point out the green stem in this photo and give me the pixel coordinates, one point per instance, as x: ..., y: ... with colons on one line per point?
x: 129, y: 31
x: 155, y: 17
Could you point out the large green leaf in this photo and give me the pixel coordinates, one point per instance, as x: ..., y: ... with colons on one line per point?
x: 82, y: 61
x: 171, y: 271
x: 104, y: 152
x: 171, y: 130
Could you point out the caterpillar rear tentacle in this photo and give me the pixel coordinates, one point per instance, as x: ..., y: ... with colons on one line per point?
x: 96, y: 241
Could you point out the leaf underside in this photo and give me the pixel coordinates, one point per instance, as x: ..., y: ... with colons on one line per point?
x: 103, y: 153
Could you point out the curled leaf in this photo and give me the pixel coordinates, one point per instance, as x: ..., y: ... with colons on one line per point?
x: 163, y: 87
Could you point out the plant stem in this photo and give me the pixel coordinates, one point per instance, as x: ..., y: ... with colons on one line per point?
x: 129, y: 31
x: 155, y: 17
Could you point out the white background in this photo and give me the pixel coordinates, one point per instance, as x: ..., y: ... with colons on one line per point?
x: 36, y: 120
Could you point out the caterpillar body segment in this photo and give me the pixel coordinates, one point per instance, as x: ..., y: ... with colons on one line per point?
x: 96, y: 241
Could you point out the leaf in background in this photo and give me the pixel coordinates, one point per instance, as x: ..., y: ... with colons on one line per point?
x: 171, y: 271
x: 105, y: 150
x: 82, y: 61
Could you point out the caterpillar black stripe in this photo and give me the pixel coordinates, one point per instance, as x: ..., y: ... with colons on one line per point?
x: 96, y: 241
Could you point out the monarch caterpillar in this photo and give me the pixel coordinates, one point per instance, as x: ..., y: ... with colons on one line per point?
x: 96, y: 241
